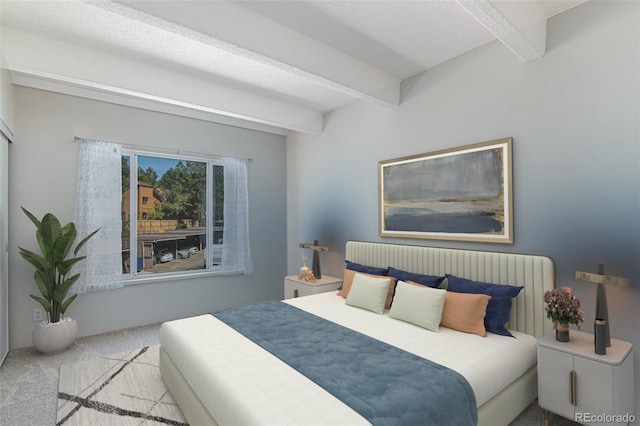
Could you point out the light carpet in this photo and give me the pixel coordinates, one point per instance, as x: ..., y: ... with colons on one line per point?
x: 122, y: 389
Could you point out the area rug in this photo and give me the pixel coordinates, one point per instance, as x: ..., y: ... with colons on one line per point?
x: 122, y: 389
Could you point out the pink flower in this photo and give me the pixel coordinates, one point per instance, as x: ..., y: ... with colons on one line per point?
x: 562, y: 307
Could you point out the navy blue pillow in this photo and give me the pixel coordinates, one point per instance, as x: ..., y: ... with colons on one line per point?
x: 428, y: 280
x: 373, y: 270
x: 499, y: 305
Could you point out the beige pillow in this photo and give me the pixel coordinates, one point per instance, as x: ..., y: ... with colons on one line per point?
x: 347, y: 279
x: 418, y: 304
x: 368, y: 293
x: 465, y: 312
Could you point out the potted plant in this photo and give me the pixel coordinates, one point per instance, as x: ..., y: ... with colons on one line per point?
x: 52, y: 276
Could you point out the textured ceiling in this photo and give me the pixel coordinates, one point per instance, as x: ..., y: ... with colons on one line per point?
x: 277, y: 64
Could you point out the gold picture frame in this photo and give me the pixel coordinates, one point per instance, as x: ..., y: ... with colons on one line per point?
x: 463, y: 194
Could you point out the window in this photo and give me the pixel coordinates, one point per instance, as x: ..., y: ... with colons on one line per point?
x: 173, y: 214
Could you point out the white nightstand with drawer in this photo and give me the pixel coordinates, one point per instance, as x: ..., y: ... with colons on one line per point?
x: 293, y: 287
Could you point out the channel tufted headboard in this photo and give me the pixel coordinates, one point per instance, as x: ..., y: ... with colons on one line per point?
x: 536, y: 273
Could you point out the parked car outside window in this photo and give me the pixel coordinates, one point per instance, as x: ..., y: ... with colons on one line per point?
x: 184, y: 253
x: 163, y: 256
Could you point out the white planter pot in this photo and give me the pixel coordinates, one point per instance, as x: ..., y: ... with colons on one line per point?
x: 54, y: 337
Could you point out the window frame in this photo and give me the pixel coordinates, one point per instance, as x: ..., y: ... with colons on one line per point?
x: 132, y: 277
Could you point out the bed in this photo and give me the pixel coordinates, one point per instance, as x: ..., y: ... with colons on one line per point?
x: 218, y: 376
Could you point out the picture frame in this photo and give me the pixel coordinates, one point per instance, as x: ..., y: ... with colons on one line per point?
x: 462, y: 194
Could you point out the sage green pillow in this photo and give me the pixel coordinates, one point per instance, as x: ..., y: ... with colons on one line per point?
x: 368, y: 293
x: 419, y: 305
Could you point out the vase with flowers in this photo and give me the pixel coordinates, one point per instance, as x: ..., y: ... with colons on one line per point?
x: 564, y: 309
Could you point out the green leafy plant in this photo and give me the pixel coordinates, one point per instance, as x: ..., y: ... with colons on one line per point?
x: 54, y: 264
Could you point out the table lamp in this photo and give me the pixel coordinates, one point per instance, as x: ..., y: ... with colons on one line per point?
x: 316, y: 258
x: 602, y: 313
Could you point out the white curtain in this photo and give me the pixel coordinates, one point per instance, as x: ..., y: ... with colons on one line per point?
x: 98, y: 205
x: 236, y: 253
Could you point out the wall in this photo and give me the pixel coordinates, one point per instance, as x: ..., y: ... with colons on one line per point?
x: 43, y: 178
x: 7, y: 115
x: 574, y: 117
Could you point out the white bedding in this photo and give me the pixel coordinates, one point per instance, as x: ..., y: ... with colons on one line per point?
x: 240, y: 383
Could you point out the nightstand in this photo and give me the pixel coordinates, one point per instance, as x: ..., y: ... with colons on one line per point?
x: 293, y: 287
x: 577, y: 383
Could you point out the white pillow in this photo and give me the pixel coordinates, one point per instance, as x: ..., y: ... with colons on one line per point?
x: 368, y: 293
x: 419, y: 305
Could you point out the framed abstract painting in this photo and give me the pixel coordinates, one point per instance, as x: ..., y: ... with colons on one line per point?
x: 463, y: 194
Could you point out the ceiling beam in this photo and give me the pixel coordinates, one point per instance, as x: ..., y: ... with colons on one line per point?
x: 527, y: 42
x: 95, y: 92
x: 266, y: 42
x: 111, y: 46
x: 54, y: 64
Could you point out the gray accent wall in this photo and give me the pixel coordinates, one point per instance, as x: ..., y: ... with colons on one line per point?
x: 43, y: 168
x: 574, y: 116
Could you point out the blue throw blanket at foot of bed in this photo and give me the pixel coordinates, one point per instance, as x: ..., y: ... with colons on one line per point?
x: 384, y: 384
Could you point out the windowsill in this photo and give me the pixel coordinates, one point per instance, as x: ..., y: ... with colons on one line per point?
x: 154, y: 278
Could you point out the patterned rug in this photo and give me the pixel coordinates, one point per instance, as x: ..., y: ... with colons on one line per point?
x: 122, y: 389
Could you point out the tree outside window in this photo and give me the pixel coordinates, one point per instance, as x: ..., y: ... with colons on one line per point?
x: 166, y: 227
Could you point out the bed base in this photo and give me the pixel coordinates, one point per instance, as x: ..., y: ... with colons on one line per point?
x: 499, y: 410
x: 192, y: 409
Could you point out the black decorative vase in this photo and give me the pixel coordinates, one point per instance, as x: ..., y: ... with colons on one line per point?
x: 562, y: 333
